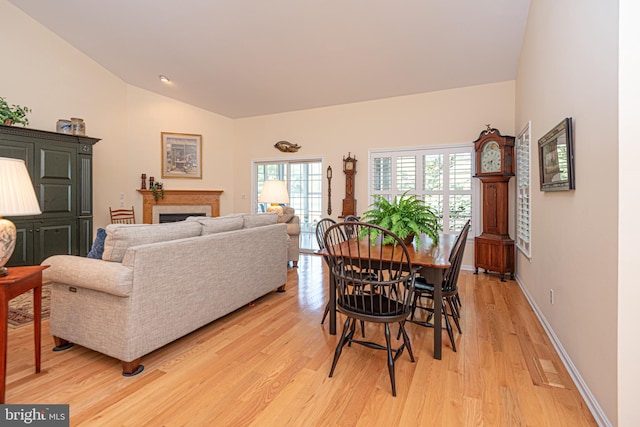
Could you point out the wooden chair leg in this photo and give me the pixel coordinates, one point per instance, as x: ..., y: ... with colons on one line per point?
x: 406, y: 340
x: 390, y: 364
x: 341, y: 343
x: 448, y: 324
x: 455, y: 313
x: 326, y: 311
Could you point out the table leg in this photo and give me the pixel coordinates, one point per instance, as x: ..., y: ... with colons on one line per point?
x: 37, y: 315
x: 435, y: 276
x: 332, y: 304
x: 437, y: 320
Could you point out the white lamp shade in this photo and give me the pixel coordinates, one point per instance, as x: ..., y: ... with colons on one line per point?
x: 17, y: 197
x: 274, y: 191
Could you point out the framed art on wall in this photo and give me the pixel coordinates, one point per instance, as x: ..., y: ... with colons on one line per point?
x: 555, y: 151
x: 181, y: 155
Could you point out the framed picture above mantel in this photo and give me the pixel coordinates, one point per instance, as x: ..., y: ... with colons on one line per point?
x: 555, y: 150
x: 181, y: 155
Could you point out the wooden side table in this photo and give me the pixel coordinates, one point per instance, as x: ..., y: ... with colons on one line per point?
x: 18, y: 281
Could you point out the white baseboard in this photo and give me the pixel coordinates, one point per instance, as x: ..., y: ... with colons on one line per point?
x: 589, y: 398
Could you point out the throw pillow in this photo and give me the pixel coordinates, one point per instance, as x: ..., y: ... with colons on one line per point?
x: 98, y: 244
x: 285, y: 218
x: 221, y: 224
x: 258, y: 220
x: 121, y: 237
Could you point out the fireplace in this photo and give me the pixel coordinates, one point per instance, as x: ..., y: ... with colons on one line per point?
x: 181, y: 203
x: 175, y: 217
x: 173, y: 213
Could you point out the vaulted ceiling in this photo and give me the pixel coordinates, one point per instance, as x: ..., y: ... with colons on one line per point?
x: 242, y: 58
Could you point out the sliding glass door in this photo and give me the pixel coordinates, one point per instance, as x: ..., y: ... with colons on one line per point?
x: 304, y: 182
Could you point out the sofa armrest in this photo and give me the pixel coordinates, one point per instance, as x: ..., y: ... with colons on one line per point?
x: 293, y: 228
x: 104, y: 276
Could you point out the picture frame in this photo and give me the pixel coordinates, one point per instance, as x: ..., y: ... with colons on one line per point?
x: 181, y: 155
x: 556, y: 158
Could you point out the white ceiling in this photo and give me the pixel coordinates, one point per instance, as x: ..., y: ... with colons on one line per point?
x: 243, y: 58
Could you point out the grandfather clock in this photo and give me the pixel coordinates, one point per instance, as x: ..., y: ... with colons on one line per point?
x: 349, y: 201
x: 494, y: 249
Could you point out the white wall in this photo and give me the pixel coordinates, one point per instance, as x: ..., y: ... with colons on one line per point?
x: 629, y: 206
x: 447, y: 117
x: 568, y: 68
x: 55, y: 80
x: 43, y: 72
x: 149, y: 115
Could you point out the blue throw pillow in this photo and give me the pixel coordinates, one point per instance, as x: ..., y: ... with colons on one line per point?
x: 98, y: 245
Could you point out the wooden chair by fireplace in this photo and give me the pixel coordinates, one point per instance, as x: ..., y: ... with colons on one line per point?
x: 122, y: 216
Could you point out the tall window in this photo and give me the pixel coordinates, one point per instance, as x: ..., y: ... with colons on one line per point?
x: 441, y: 176
x: 523, y: 200
x: 304, y: 183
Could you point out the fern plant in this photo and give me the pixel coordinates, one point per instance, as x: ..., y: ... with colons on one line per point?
x: 406, y: 216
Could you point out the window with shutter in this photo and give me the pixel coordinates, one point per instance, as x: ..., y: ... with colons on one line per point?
x: 523, y: 199
x: 441, y: 176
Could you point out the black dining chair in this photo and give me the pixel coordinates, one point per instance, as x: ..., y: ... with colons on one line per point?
x: 451, y: 303
x: 349, y: 230
x: 382, y: 298
x: 321, y: 229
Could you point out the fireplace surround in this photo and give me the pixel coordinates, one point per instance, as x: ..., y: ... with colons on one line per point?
x: 205, y: 202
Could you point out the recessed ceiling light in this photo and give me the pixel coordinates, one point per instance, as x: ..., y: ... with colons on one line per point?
x: 164, y: 79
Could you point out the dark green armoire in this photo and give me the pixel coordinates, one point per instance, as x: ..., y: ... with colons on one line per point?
x: 60, y: 166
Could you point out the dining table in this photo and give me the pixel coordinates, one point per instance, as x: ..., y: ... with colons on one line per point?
x: 431, y: 259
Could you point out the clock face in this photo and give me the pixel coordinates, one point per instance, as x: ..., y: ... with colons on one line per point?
x: 348, y: 166
x: 490, y: 158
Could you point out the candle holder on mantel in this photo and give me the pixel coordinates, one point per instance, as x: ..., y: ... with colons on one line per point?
x: 143, y: 185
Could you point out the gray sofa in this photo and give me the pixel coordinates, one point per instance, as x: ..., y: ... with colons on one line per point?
x: 157, y: 283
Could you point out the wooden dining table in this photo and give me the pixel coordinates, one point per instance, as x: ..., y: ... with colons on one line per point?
x: 432, y: 260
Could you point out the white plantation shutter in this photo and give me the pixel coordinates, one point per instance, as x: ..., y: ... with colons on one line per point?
x: 405, y: 173
x: 460, y: 184
x: 523, y: 185
x: 441, y: 176
x: 381, y: 175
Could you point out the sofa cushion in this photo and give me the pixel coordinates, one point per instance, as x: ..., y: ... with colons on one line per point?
x: 98, y: 244
x: 260, y: 219
x: 221, y: 224
x: 120, y: 237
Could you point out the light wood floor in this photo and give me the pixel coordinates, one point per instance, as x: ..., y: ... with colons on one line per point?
x: 268, y: 365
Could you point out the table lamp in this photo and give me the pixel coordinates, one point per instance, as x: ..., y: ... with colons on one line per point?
x: 17, y: 198
x: 274, y: 192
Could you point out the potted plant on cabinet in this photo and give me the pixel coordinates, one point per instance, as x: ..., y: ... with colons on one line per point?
x: 13, y: 114
x: 406, y: 216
